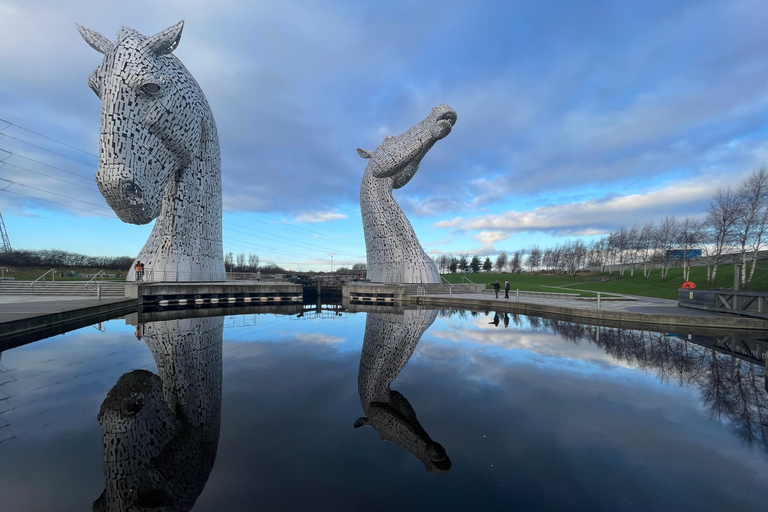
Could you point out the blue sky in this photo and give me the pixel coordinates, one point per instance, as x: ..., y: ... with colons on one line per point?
x: 574, y: 118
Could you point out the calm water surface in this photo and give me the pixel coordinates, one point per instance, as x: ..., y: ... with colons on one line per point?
x: 414, y: 411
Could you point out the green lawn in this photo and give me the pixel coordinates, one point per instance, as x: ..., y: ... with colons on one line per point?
x: 32, y: 273
x: 523, y: 282
x: 655, y: 287
x: 651, y: 287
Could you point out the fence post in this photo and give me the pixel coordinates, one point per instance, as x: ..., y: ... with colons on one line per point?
x: 517, y: 295
x: 98, y: 292
x: 598, y: 300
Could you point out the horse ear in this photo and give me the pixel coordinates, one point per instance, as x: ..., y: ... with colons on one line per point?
x: 166, y: 41
x: 364, y: 153
x: 96, y: 41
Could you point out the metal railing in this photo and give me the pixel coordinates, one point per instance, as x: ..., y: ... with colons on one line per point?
x: 97, y: 274
x: 173, y: 276
x: 53, y: 278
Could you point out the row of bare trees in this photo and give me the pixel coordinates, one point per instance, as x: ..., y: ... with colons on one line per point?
x: 57, y: 259
x: 241, y: 263
x: 737, y: 219
x: 734, y: 228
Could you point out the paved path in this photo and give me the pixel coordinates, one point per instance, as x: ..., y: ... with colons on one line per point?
x: 20, y: 307
x: 616, y: 311
x: 631, y: 304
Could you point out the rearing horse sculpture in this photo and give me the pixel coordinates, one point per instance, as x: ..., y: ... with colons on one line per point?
x: 159, y: 153
x: 393, y: 251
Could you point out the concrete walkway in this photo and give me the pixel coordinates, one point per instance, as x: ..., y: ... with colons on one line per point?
x: 19, y: 307
x: 625, y: 308
x: 25, y: 318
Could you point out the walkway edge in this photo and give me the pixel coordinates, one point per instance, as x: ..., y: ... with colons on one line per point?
x: 19, y: 332
x: 722, y: 322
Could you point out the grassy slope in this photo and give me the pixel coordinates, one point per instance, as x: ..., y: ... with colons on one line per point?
x: 32, y: 273
x: 655, y: 287
x: 651, y: 287
x: 523, y: 282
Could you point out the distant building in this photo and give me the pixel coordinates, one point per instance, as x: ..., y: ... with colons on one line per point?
x: 684, y: 255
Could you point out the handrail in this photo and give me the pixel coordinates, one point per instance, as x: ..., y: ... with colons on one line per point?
x: 468, y: 280
x: 53, y: 277
x: 97, y: 274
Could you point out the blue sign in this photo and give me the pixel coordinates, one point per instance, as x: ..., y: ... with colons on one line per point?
x: 684, y: 255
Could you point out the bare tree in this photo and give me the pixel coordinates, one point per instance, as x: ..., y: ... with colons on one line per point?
x: 501, y: 261
x: 664, y: 239
x: 534, y: 258
x: 515, y: 264
x: 645, y: 243
x: 689, y: 235
x: 253, y: 261
x: 721, y: 220
x: 229, y: 259
x: 751, y: 220
x: 240, y: 261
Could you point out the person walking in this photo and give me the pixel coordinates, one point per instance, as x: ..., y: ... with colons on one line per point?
x: 506, y: 289
x: 496, y: 287
x: 137, y: 270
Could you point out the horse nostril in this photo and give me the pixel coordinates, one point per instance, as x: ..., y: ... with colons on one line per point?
x: 132, y: 191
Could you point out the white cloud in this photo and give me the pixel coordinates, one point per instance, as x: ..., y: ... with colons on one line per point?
x: 319, y: 216
x: 596, y: 216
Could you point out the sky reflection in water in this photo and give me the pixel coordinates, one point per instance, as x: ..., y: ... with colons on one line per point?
x: 532, y: 416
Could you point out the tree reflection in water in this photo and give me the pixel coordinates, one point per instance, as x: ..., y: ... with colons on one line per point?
x: 730, y: 387
x: 160, y: 432
x: 388, y: 344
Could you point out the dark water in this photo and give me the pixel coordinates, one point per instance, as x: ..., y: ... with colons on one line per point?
x: 532, y: 415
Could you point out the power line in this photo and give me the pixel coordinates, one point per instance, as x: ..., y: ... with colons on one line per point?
x: 60, y: 204
x: 54, y: 193
x: 287, y: 225
x: 45, y: 149
x: 46, y: 122
x: 303, y: 245
x: 2, y: 164
x: 281, y: 224
x: 48, y: 165
x: 259, y: 247
x: 47, y: 137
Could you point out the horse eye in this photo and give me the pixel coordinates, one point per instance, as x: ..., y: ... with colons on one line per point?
x: 151, y: 89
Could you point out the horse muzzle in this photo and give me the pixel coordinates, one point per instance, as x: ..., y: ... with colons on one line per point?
x: 126, y: 195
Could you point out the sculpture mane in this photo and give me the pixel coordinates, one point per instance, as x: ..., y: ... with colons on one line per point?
x: 393, y: 250
x: 159, y: 153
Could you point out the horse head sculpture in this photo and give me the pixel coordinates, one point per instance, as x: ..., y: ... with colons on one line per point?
x: 389, y: 342
x: 393, y: 250
x: 160, y: 433
x: 159, y: 153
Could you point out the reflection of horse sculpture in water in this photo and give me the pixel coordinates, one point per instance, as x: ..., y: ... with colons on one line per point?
x: 160, y: 433
x: 394, y: 252
x: 388, y: 345
x: 159, y: 153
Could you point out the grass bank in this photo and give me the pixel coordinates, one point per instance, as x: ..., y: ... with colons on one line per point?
x: 32, y: 273
x: 637, y: 285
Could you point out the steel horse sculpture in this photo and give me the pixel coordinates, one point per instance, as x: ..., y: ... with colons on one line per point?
x: 389, y: 342
x: 159, y: 154
x: 393, y: 251
x: 160, y: 432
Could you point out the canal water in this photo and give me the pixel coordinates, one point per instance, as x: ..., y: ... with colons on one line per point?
x: 414, y: 410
